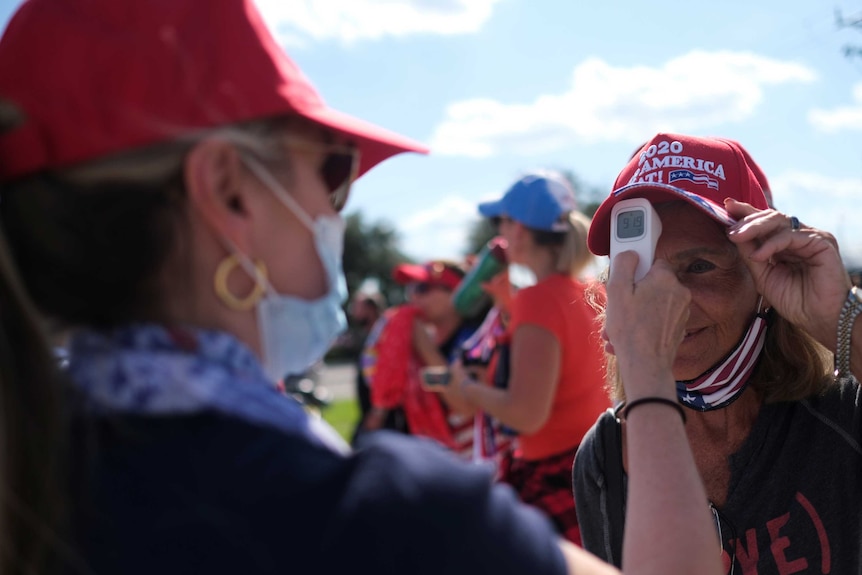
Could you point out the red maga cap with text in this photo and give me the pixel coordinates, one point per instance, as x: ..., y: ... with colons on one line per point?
x: 699, y: 170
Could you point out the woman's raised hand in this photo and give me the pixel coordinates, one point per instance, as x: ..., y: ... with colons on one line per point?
x: 645, y: 324
x: 796, y: 268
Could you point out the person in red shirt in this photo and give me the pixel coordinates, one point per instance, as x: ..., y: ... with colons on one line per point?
x: 555, y: 384
x: 426, y: 331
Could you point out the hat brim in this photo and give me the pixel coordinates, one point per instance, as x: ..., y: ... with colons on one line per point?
x: 410, y: 273
x: 375, y: 144
x: 599, y: 239
x: 492, y: 209
x: 435, y: 273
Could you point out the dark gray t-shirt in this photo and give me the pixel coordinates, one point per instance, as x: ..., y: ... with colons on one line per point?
x: 794, y: 501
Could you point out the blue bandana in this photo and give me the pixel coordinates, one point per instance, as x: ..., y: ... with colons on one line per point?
x: 153, y: 370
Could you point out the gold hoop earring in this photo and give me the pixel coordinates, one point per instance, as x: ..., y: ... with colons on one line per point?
x: 220, y: 284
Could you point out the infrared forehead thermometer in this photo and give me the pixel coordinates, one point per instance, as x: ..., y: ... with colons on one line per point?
x: 635, y: 226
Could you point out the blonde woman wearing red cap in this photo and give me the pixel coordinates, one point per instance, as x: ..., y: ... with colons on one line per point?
x: 555, y: 380
x: 768, y: 303
x: 170, y: 189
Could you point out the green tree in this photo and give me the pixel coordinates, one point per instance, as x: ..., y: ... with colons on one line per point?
x: 478, y: 236
x: 589, y: 196
x: 371, y: 250
x: 854, y: 23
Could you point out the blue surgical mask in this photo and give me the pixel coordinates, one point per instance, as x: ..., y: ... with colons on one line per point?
x: 294, y: 332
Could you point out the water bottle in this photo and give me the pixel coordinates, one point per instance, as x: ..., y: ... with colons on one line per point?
x: 469, y: 298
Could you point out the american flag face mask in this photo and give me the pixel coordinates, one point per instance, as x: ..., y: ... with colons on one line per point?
x: 722, y: 384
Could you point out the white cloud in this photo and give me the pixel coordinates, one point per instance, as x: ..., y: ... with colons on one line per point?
x: 695, y: 91
x: 841, y: 118
x: 824, y: 202
x: 298, y: 21
x: 440, y: 231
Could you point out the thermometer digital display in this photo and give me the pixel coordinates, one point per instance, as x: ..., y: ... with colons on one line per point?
x: 635, y: 226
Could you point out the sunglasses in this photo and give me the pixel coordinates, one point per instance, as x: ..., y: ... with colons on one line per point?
x: 729, y: 529
x: 338, y: 169
x: 497, y: 220
x: 422, y: 288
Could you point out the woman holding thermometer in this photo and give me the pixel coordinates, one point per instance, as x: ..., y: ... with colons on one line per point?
x: 189, y: 241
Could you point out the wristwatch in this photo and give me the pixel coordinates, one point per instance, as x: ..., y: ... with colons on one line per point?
x: 851, y: 309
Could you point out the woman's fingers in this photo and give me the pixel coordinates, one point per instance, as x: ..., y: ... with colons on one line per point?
x: 796, y: 267
x: 622, y: 272
x: 646, y: 320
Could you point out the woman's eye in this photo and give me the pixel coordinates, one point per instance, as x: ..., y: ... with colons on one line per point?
x: 700, y: 266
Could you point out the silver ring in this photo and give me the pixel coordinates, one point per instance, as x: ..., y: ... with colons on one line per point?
x: 794, y: 224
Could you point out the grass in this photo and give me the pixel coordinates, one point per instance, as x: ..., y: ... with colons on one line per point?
x: 343, y: 415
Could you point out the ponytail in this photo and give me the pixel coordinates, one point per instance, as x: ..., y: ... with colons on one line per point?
x: 575, y: 255
x: 571, y: 254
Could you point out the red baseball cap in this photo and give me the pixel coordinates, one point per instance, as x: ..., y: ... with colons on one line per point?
x: 702, y: 171
x: 755, y: 169
x: 435, y: 272
x: 97, y: 77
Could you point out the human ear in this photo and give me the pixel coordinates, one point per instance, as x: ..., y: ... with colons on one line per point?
x: 218, y: 191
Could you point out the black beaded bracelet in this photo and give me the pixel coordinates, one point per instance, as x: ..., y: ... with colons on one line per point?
x: 662, y: 400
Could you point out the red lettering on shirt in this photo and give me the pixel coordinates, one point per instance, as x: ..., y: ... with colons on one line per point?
x: 825, y: 550
x: 748, y: 554
x: 778, y: 545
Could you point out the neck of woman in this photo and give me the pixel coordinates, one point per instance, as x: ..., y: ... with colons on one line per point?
x: 725, y: 428
x: 542, y: 262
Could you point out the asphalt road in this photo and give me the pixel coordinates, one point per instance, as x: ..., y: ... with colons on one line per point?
x: 340, y: 380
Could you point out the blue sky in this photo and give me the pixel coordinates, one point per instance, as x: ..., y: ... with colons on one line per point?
x: 499, y: 87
